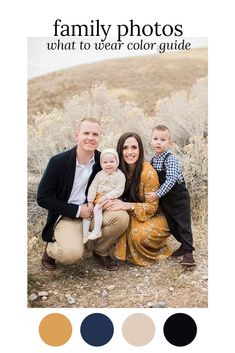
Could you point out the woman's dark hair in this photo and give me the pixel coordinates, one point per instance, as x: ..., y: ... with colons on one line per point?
x: 131, y: 192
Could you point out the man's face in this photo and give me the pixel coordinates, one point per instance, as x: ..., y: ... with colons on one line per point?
x: 88, y: 136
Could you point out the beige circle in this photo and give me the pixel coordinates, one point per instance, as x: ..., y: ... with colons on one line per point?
x: 55, y: 329
x: 138, y: 329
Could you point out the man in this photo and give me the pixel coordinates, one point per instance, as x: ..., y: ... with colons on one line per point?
x: 62, y: 191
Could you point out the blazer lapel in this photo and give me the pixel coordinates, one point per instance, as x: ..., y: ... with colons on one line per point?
x: 71, y: 167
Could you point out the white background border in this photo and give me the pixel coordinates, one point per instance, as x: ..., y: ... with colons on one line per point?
x: 200, y: 19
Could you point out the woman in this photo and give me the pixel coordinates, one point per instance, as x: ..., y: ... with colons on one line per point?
x: 145, y: 239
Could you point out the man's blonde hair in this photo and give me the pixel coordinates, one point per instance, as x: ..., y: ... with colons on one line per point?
x: 90, y: 119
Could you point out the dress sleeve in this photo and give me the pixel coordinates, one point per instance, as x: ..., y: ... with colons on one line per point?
x: 149, y: 183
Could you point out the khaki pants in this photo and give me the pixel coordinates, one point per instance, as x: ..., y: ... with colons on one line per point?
x: 68, y: 246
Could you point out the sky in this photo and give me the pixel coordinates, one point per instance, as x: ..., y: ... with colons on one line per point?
x: 42, y: 61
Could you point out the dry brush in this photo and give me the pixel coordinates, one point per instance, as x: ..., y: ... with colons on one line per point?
x: 185, y: 113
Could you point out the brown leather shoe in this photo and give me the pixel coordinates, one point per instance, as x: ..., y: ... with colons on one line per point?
x: 48, y: 262
x: 107, y: 262
x: 179, y: 252
x: 188, y: 260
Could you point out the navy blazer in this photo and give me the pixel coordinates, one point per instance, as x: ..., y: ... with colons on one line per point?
x: 56, y: 185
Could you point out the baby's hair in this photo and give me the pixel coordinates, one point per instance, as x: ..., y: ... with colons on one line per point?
x: 161, y: 128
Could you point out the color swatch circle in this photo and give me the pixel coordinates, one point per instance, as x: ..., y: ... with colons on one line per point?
x: 180, y: 329
x: 138, y: 329
x: 97, y: 329
x: 55, y: 329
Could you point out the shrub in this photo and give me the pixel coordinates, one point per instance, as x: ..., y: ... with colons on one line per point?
x: 184, y: 113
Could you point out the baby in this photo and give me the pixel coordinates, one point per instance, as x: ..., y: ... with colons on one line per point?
x: 108, y: 184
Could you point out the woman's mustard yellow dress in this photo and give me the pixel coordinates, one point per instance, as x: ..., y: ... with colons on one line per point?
x: 145, y: 240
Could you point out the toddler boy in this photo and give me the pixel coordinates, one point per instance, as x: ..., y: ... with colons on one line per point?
x: 173, y: 194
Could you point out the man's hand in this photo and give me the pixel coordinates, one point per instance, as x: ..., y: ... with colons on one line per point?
x: 90, y: 206
x: 85, y: 212
x: 150, y: 196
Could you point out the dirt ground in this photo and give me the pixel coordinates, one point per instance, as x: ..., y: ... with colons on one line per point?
x: 85, y: 284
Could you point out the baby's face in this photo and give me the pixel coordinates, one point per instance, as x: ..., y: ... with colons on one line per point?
x: 109, y: 163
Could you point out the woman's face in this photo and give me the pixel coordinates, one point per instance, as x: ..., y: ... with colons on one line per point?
x: 131, y: 151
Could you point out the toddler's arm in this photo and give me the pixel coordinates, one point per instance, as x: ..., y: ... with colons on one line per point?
x: 173, y: 172
x: 93, y: 189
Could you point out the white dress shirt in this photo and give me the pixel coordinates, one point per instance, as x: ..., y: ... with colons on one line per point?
x: 82, y: 174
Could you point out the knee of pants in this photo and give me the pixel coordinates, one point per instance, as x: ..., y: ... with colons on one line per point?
x: 122, y: 218
x: 71, y: 256
x: 125, y: 220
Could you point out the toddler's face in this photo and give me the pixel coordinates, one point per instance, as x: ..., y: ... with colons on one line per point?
x: 160, y: 141
x: 109, y: 163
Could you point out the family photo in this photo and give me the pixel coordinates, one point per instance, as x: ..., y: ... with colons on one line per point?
x: 118, y: 180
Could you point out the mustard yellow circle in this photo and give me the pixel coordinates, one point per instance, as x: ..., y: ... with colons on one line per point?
x: 55, y: 329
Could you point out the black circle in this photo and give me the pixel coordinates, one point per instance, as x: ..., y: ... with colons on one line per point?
x: 180, y: 329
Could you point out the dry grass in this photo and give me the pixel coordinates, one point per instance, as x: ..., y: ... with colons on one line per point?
x: 184, y: 112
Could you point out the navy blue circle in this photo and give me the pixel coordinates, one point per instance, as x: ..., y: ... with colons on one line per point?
x: 180, y: 329
x: 97, y: 329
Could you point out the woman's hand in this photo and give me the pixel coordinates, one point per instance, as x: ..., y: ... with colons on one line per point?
x: 102, y: 199
x: 116, y: 205
x: 150, y: 196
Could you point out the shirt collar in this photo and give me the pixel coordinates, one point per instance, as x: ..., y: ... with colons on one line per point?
x: 91, y: 161
x: 162, y: 155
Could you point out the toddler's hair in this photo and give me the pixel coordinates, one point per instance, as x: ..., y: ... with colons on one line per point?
x: 161, y: 128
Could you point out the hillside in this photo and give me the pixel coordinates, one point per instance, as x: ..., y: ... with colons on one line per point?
x: 141, y: 79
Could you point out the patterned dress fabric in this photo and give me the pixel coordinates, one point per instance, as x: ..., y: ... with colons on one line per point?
x: 145, y: 240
